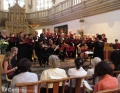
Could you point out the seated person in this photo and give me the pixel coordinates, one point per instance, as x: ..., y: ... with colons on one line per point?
x: 115, y: 59
x: 14, y: 51
x: 106, y: 81
x: 77, y: 71
x: 7, y: 65
x: 25, y: 76
x: 52, y: 73
x: 90, y: 72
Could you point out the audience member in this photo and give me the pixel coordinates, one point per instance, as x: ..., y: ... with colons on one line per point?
x: 14, y: 51
x: 90, y: 72
x: 106, y: 81
x: 25, y: 76
x: 115, y: 59
x: 77, y: 71
x: 52, y: 73
x: 118, y: 78
x: 7, y: 67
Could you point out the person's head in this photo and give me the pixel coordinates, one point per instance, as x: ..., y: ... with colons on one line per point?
x: 102, y: 68
x: 103, y: 35
x: 44, y: 30
x: 40, y: 41
x: 78, y: 62
x: 56, y: 30
x: 48, y: 30
x: 12, y: 35
x: 99, y: 37
x: 8, y: 57
x: 14, y: 50
x: 24, y: 65
x: 21, y: 34
x: 61, y: 31
x: 88, y: 35
x: 95, y: 61
x: 93, y: 36
x: 3, y: 32
x: 30, y: 36
x: 54, y: 61
x: 36, y: 33
x: 26, y: 36
x: 50, y: 42
x: 115, y: 57
x: 116, y: 40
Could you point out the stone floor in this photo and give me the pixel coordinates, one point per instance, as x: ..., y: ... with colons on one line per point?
x: 68, y: 63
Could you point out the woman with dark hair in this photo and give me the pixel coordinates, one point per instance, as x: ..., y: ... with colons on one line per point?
x: 24, y: 76
x: 77, y: 71
x: 98, y: 48
x: 21, y: 45
x: 115, y: 59
x: 106, y: 81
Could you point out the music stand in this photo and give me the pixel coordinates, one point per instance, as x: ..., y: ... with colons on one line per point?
x: 90, y: 54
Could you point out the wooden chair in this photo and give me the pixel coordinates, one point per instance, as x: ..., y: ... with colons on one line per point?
x: 117, y: 90
x: 1, y: 71
x: 78, y: 83
x: 30, y: 86
x: 8, y: 80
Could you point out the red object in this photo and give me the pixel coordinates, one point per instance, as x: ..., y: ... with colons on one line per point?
x: 67, y: 48
x: 71, y: 35
x: 13, y: 39
x: 47, y: 35
x: 28, y: 41
x: 72, y: 48
x: 118, y: 46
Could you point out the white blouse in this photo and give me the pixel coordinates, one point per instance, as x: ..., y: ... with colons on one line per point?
x: 53, y: 73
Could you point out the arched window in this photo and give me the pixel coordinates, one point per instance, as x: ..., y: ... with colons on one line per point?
x: 6, y: 3
x: 43, y: 4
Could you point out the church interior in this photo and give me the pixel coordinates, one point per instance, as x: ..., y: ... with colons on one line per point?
x: 59, y: 40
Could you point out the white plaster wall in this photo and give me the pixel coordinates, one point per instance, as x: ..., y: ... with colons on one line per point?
x: 58, y: 1
x: 2, y: 28
x: 108, y: 23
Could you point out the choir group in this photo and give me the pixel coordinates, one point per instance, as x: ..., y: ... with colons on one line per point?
x: 48, y: 43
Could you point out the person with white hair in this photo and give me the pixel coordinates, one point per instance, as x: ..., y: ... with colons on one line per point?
x: 90, y: 72
x: 52, y: 73
x: 3, y: 35
x: 94, y: 62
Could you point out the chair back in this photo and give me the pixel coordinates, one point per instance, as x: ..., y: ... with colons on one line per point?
x: 117, y: 90
x: 78, y: 81
x: 30, y: 86
x: 8, y: 80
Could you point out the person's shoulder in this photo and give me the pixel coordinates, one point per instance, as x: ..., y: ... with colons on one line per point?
x: 61, y: 69
x: 89, y: 70
x: 46, y: 71
x: 34, y: 74
x: 71, y: 69
x: 15, y: 78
